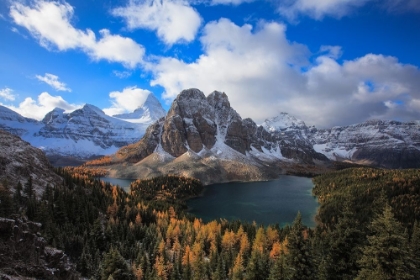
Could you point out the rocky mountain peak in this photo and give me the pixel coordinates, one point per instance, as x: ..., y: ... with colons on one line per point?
x: 9, y: 115
x: 218, y: 100
x: 189, y: 103
x: 55, y: 114
x: 150, y: 111
x: 283, y: 121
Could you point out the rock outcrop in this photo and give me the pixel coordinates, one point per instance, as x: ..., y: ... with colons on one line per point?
x: 19, y: 161
x: 24, y: 253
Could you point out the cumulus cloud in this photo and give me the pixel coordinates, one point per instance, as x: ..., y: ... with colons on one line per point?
x: 263, y: 74
x: 6, y: 94
x: 37, y: 109
x: 53, y: 81
x: 49, y: 23
x: 173, y: 20
x: 334, y: 8
x: 127, y: 100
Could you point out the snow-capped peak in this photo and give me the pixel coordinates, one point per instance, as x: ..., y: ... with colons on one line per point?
x: 282, y: 122
x: 150, y: 111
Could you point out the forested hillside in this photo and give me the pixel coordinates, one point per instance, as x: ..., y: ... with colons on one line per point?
x: 367, y: 230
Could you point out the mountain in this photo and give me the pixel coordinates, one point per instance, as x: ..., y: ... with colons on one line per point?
x: 82, y: 134
x: 294, y: 138
x: 205, y: 138
x: 388, y: 144
x: 150, y: 111
x: 19, y: 161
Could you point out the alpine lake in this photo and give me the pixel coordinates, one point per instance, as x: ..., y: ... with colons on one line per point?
x: 268, y: 202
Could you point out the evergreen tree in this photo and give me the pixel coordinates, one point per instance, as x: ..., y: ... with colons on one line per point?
x: 415, y: 248
x: 343, y: 244
x: 6, y: 201
x: 114, y: 265
x: 17, y: 197
x: 28, y: 188
x: 387, y: 255
x: 277, y: 269
x: 298, y: 259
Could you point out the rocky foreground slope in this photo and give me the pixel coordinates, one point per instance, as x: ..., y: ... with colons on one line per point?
x: 24, y: 254
x: 20, y: 161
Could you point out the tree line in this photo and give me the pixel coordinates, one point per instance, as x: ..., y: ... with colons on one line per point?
x: 367, y: 229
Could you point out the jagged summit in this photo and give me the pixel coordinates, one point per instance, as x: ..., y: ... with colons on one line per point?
x: 150, y: 111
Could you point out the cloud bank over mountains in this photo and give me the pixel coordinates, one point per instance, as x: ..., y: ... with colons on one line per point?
x: 257, y: 65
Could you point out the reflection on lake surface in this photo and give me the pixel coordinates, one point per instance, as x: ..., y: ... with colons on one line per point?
x: 269, y: 202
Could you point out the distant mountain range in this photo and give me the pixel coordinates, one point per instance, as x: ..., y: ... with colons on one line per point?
x: 84, y: 133
x: 204, y: 137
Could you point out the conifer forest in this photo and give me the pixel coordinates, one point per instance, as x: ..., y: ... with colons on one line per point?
x: 367, y: 228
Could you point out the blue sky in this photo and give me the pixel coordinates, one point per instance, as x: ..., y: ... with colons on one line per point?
x: 325, y: 62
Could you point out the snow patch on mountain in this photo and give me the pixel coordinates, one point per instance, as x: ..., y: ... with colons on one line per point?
x: 150, y: 111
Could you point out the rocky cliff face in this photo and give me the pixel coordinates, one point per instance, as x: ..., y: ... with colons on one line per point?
x: 24, y: 254
x: 19, y: 161
x: 202, y: 124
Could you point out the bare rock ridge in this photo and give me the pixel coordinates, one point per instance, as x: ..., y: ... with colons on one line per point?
x: 19, y: 161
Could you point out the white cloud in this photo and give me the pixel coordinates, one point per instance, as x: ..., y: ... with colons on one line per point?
x: 230, y: 2
x: 173, y: 20
x: 122, y: 74
x: 127, y: 100
x: 53, y: 81
x: 320, y: 8
x: 263, y: 74
x: 338, y: 8
x: 49, y: 23
x: 37, y: 109
x: 6, y: 94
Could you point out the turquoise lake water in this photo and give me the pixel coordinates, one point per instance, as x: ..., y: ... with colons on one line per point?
x: 268, y: 202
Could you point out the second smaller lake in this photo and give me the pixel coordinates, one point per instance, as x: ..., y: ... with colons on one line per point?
x: 123, y: 183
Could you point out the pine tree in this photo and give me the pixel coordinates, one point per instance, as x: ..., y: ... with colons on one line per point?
x: 343, y: 247
x: 115, y: 266
x: 415, y: 248
x: 387, y: 254
x: 6, y: 201
x: 28, y: 188
x: 17, y: 197
x: 298, y: 259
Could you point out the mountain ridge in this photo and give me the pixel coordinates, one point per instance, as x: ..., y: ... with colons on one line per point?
x: 81, y: 134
